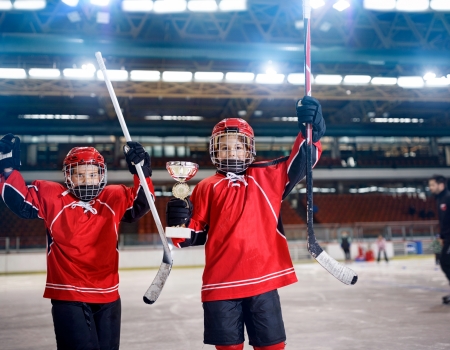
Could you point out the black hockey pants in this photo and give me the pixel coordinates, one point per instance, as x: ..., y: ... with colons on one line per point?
x: 84, y: 326
x: 445, y: 258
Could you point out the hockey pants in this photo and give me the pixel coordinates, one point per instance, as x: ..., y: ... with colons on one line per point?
x: 445, y: 259
x: 279, y: 346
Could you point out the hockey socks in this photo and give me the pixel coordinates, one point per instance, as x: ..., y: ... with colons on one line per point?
x: 230, y: 347
x: 279, y: 346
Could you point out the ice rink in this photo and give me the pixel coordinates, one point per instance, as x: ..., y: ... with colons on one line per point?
x: 393, y: 306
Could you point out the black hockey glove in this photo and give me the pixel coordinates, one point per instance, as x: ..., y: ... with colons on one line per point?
x: 10, y: 152
x: 134, y: 154
x: 310, y: 111
x: 179, y: 212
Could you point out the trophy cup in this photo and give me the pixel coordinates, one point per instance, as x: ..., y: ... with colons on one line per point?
x: 181, y: 172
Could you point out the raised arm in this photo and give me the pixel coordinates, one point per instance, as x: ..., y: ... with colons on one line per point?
x: 134, y: 154
x: 308, y: 111
x: 20, y: 198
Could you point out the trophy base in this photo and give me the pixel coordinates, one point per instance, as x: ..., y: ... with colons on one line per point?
x: 178, y: 232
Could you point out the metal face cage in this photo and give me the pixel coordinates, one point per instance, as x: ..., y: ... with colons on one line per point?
x: 85, y: 180
x: 231, y: 150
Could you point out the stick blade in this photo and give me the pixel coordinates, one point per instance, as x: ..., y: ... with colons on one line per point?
x: 341, y: 272
x: 157, y: 285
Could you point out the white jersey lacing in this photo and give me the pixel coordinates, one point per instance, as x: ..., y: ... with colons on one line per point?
x: 233, y: 180
x: 86, y: 206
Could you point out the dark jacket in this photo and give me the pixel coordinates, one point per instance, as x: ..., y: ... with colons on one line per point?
x: 443, y: 204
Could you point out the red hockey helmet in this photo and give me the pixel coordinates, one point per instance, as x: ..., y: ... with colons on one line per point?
x: 232, y: 145
x: 89, y: 167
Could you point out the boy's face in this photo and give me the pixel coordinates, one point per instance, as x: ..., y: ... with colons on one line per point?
x: 230, y: 147
x: 435, y: 188
x: 85, y: 175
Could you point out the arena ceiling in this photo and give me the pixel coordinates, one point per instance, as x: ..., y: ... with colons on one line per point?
x: 356, y: 41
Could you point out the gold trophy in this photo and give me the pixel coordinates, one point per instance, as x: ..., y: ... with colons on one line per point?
x: 181, y: 172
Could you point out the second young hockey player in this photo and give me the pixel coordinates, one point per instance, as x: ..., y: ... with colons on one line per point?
x: 236, y: 214
x: 82, y: 221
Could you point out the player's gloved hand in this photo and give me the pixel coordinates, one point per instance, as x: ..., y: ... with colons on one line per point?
x: 309, y: 110
x: 135, y: 154
x: 179, y: 212
x: 10, y: 152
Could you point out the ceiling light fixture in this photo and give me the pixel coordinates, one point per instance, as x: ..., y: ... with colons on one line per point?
x: 380, y: 5
x: 412, y: 5
x: 233, y: 5
x: 29, y: 4
x: 173, y: 6
x: 341, y: 5
x: 202, y: 6
x: 137, y: 5
x: 40, y: 73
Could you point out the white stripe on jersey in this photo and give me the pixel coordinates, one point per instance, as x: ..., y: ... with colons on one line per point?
x: 249, y: 281
x: 82, y: 289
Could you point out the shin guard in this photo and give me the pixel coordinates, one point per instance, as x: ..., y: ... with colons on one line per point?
x: 230, y: 347
x: 279, y: 346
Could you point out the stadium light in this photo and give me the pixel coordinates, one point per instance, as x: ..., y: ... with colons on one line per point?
x: 44, y: 73
x: 53, y: 116
x: 341, y: 5
x: 100, y: 2
x: 384, y: 81
x: 380, y: 5
x: 176, y: 76
x: 114, y: 75
x: 328, y: 79
x: 145, y: 75
x: 87, y: 72
x: 410, y: 82
x: 137, y: 5
x: 12, y: 73
x: 202, y: 6
x: 315, y: 4
x: 238, y: 77
x: 233, y: 5
x: 163, y: 6
x: 208, y: 76
x: 440, y: 5
x: 412, y: 5
x: 296, y: 79
x: 29, y: 4
x: 270, y: 78
x: 438, y: 82
x: 357, y: 79
x: 71, y: 3
x: 6, y: 5
x: 182, y: 117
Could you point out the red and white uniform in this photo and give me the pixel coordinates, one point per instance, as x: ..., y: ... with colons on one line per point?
x: 82, y: 237
x: 238, y: 220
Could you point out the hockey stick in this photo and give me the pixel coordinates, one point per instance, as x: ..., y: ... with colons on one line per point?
x: 157, y: 285
x: 341, y: 272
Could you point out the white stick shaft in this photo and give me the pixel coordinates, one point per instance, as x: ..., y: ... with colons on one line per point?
x: 144, y: 185
x: 307, y: 9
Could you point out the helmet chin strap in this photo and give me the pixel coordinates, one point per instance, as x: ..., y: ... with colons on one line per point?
x: 232, y: 165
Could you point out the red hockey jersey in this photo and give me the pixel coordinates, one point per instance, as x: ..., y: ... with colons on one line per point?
x: 237, y: 217
x: 82, y: 237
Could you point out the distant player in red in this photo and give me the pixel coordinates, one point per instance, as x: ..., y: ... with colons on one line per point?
x: 236, y: 214
x: 82, y: 221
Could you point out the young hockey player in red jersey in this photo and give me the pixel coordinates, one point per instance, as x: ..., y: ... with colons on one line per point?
x: 236, y: 214
x: 82, y: 220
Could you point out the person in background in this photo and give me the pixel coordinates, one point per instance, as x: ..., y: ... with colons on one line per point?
x: 438, y: 186
x: 381, y: 244
x: 345, y: 245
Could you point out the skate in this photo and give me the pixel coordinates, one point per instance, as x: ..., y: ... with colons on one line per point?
x: 446, y: 299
